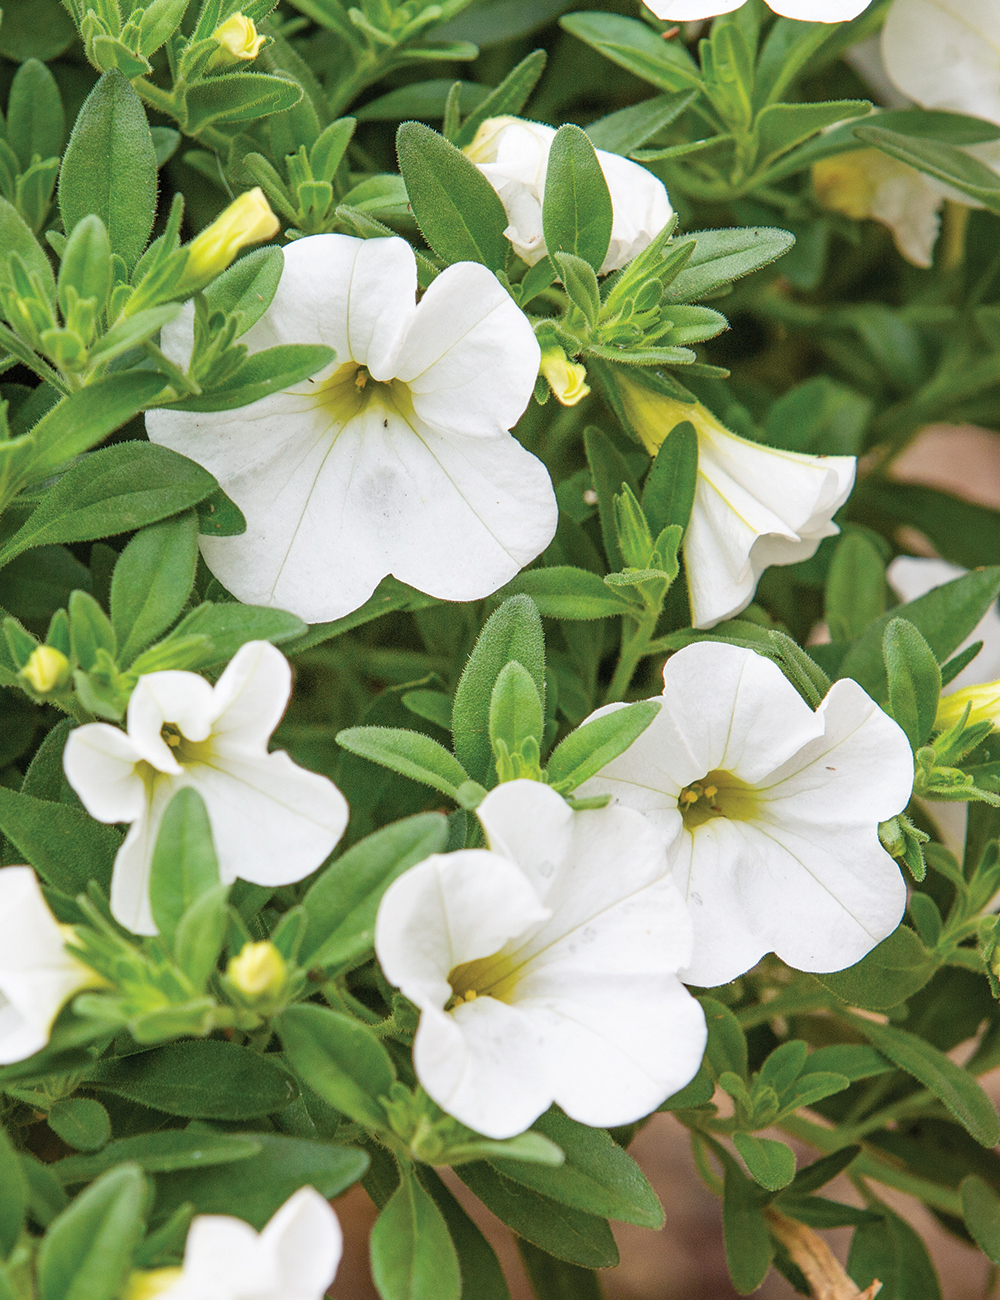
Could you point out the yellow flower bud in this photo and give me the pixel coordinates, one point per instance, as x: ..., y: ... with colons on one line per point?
x: 239, y: 41
x: 247, y: 220
x: 147, y: 1284
x: 46, y: 669
x: 567, y: 379
x: 985, y: 702
x: 259, y: 969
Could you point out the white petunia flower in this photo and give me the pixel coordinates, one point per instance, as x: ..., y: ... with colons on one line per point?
x: 913, y: 576
x: 295, y: 1257
x: 37, y: 975
x: 513, y: 155
x: 396, y: 458
x: 545, y: 969
x: 770, y: 811
x: 808, y: 11
x: 944, y: 54
x: 272, y: 821
x: 754, y: 505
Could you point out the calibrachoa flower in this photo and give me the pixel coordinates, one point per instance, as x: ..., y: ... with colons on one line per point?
x: 513, y: 155
x: 295, y: 1257
x: 913, y: 576
x: 809, y: 11
x: 272, y: 821
x: 754, y: 505
x: 943, y: 54
x: 37, y: 974
x: 545, y: 968
x: 770, y: 811
x: 396, y: 458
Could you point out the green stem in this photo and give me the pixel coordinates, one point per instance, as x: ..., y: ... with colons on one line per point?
x: 635, y: 647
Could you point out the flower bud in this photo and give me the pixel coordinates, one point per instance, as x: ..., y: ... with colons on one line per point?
x: 46, y: 670
x: 247, y: 220
x: 239, y: 42
x: 259, y: 971
x: 145, y: 1284
x: 984, y: 701
x: 567, y: 379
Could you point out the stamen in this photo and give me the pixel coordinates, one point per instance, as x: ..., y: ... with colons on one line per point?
x: 361, y: 378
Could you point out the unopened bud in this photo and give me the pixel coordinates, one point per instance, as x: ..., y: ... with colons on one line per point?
x: 239, y: 41
x: 567, y: 379
x: 259, y: 970
x: 983, y: 702
x: 147, y: 1284
x: 247, y: 220
x: 46, y: 670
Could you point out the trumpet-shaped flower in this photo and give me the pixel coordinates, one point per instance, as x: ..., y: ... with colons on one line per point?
x: 37, y: 974
x: 513, y: 155
x: 545, y: 968
x: 943, y: 54
x: 272, y: 821
x: 295, y: 1257
x: 396, y: 458
x: 770, y: 811
x: 809, y: 11
x: 754, y: 506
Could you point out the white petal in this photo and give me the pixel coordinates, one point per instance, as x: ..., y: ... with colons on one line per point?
x: 687, y: 11
x: 379, y: 301
x: 100, y: 764
x: 532, y: 825
x: 640, y: 205
x: 273, y: 822
x: 184, y: 699
x: 250, y: 697
x: 130, y: 879
x: 944, y: 54
x: 448, y: 910
x: 223, y: 1259
x: 820, y: 11
x: 911, y: 577
x: 305, y: 1239
x: 19, y: 1038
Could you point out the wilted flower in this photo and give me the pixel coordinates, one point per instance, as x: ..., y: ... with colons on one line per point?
x: 272, y: 821
x: 295, y: 1257
x: 545, y: 969
x: 513, y: 155
x: 770, y: 811
x: 810, y: 11
x: 247, y: 220
x: 754, y: 505
x: 37, y: 975
x: 395, y: 459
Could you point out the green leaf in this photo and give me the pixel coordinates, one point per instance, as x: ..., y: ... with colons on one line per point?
x: 410, y: 753
x: 509, y: 97
x: 566, y: 1233
x: 14, y: 1202
x: 109, y: 168
x: 855, y: 592
x: 953, y: 1086
x: 222, y: 630
x: 598, y: 1176
x: 554, y: 1279
x: 630, y: 128
x: 261, y: 374
x: 158, y: 1152
x: 515, y: 708
x: 610, y: 474
x: 892, y: 972
x: 512, y: 633
x: 81, y: 1122
x: 780, y: 127
x: 851, y: 1060
x: 892, y: 1252
x: 823, y: 1171
x: 727, y: 1044
x: 35, y: 118
x: 340, y: 1059
x: 412, y: 1254
x: 668, y: 492
x: 981, y: 1211
x: 423, y: 99
x: 184, y: 865
x: 744, y: 1228
x: 84, y: 418
x: 576, y: 212
x: 203, y: 1080
x: 914, y: 680
x: 342, y: 905
x: 568, y: 593
x: 152, y: 581
x: 248, y: 287
x: 936, y: 158
x: 637, y: 48
x: 66, y: 847
x: 482, y: 1275
x: 112, y: 491
x: 458, y: 211
x: 962, y: 531
x: 594, y: 744
x: 240, y: 97
x: 772, y: 1164
x: 87, y: 1252
x: 16, y: 237
x: 721, y: 256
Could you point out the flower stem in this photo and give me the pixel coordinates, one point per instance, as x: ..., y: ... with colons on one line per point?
x: 635, y: 646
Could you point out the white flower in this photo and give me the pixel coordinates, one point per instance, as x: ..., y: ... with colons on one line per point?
x: 912, y: 576
x: 754, y: 505
x: 37, y: 974
x: 943, y: 54
x: 809, y: 11
x: 397, y: 457
x: 295, y: 1257
x: 770, y: 811
x: 513, y: 155
x: 272, y: 821
x: 545, y: 969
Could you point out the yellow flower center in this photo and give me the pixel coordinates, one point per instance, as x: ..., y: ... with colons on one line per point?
x: 494, y: 977
x: 719, y: 794
x: 184, y: 750
x: 351, y: 390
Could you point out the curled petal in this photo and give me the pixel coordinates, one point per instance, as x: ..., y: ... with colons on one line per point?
x: 100, y: 764
x: 250, y: 697
x: 184, y: 699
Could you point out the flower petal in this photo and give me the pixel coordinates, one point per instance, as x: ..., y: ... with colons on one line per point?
x: 223, y: 1258
x: 250, y: 698
x: 100, y: 764
x: 689, y: 11
x: 184, y: 699
x: 946, y: 54
x: 305, y: 1239
x: 530, y: 824
x: 130, y: 904
x: 820, y: 11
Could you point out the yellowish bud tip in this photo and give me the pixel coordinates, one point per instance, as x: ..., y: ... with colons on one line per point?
x: 247, y: 220
x: 652, y: 415
x: 47, y: 669
x: 239, y: 40
x: 483, y: 148
x: 567, y: 379
x: 984, y: 701
x: 147, y: 1285
x: 259, y: 969
x: 848, y: 182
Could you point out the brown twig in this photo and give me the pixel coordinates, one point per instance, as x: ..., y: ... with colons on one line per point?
x: 820, y: 1267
